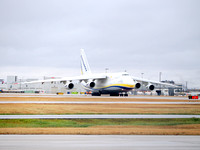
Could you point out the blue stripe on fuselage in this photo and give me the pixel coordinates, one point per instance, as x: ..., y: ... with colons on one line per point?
x: 121, y: 87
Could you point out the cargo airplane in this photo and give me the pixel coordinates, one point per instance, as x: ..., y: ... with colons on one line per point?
x: 114, y: 84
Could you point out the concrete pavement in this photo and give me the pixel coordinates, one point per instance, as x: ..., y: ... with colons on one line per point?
x: 98, y: 142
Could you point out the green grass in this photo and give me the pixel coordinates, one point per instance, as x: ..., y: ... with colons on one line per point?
x: 35, y: 123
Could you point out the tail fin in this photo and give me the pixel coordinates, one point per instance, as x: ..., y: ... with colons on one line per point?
x: 85, y: 68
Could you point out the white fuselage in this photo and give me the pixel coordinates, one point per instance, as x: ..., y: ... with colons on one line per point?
x: 114, y: 82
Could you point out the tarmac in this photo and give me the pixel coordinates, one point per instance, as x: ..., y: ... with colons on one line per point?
x: 99, y: 142
x: 89, y: 102
x: 89, y: 96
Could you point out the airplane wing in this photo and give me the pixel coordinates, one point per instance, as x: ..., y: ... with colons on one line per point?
x: 70, y: 79
x: 152, y: 83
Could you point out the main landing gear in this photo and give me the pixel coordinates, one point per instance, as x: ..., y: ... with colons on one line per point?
x: 114, y: 94
x: 119, y: 94
x: 96, y: 94
x: 123, y: 94
x: 111, y: 94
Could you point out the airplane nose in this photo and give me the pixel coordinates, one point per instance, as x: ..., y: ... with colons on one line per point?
x: 129, y: 82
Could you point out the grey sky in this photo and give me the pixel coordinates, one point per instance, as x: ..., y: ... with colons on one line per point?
x: 44, y: 37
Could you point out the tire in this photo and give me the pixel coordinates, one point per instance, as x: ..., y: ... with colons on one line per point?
x: 114, y: 94
x: 126, y: 95
x: 96, y: 94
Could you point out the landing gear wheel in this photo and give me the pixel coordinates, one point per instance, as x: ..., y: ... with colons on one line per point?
x: 96, y: 94
x: 114, y: 94
x: 126, y: 94
x: 123, y: 94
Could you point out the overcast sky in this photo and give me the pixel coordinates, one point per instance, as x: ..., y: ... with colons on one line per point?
x: 44, y: 37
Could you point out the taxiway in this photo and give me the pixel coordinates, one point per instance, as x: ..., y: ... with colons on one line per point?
x: 90, y: 102
x: 89, y: 96
x: 99, y: 142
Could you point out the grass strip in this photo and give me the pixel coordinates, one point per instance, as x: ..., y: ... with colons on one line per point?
x: 83, y: 123
x: 98, y: 109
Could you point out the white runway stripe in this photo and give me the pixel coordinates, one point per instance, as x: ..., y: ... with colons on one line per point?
x: 93, y: 116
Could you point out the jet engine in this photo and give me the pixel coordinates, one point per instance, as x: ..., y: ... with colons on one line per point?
x: 137, y: 85
x: 151, y: 87
x: 69, y: 85
x: 91, y: 84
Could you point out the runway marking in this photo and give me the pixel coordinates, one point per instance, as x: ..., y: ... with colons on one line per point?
x: 89, y: 102
x: 93, y: 116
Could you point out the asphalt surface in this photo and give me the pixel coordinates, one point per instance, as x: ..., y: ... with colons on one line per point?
x: 89, y: 102
x: 92, y: 102
x: 89, y: 96
x: 93, y: 116
x: 98, y: 142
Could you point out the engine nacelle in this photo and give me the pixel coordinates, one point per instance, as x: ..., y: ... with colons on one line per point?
x: 91, y: 84
x: 151, y: 87
x: 137, y: 85
x: 69, y: 85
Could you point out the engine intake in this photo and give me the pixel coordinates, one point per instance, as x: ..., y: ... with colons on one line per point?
x: 151, y: 87
x: 137, y: 85
x: 92, y: 84
x: 69, y: 85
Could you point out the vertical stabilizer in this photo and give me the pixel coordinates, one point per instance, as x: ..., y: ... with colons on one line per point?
x: 85, y: 68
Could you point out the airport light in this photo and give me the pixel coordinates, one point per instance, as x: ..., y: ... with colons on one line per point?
x: 142, y: 75
x: 160, y: 73
x: 142, y: 83
x: 186, y: 85
x: 160, y: 76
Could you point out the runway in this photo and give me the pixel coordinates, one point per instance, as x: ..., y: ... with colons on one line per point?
x: 89, y: 96
x: 93, y: 116
x: 90, y: 102
x: 99, y: 142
